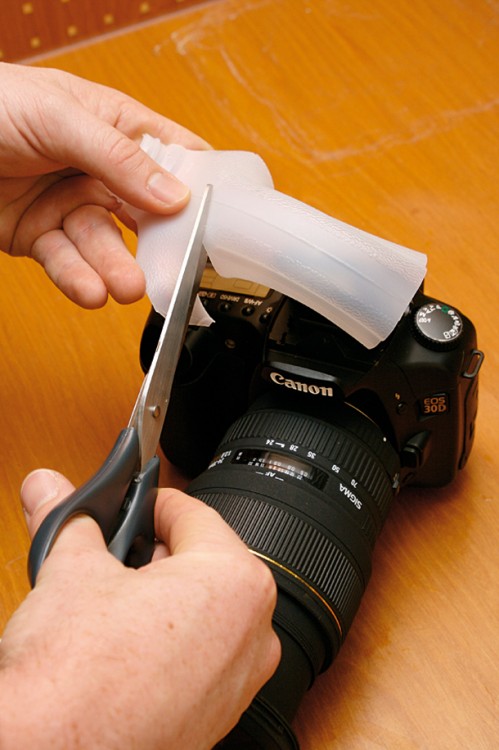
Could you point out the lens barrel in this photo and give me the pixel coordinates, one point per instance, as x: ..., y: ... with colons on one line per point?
x: 308, y: 490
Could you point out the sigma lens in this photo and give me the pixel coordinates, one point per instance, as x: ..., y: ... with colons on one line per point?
x: 308, y: 492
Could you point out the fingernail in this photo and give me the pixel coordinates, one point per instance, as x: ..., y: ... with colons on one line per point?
x: 38, y: 488
x: 167, y: 188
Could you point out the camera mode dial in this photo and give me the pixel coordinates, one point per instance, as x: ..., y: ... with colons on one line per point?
x: 438, y: 326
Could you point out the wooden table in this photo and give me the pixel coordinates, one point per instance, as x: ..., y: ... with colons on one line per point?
x: 382, y: 114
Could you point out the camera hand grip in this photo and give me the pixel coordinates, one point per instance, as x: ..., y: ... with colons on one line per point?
x: 360, y: 282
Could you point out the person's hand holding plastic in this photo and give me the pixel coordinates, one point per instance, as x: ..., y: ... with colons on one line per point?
x: 166, y: 656
x: 69, y: 157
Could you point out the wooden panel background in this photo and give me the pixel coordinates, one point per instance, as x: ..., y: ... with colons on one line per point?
x: 384, y: 114
x: 37, y: 27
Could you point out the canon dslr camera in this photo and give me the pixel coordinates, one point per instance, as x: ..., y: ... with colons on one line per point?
x: 301, y: 438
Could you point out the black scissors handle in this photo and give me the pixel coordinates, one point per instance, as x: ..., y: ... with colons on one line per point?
x: 119, y: 498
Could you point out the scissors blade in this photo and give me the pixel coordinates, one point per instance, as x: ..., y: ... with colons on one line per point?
x: 150, y: 409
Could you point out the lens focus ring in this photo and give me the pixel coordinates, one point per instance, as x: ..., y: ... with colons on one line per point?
x: 296, y: 546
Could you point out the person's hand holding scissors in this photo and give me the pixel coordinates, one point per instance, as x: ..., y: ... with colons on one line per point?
x: 104, y: 656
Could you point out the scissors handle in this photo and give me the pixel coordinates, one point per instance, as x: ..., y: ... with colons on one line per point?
x: 134, y: 541
x: 108, y: 497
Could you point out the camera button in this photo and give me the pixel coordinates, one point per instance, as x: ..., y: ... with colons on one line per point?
x: 248, y: 310
x: 402, y: 407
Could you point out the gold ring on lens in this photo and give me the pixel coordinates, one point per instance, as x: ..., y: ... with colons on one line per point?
x: 307, y: 585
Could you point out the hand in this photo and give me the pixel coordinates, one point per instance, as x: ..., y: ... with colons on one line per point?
x: 167, y: 656
x: 70, y: 156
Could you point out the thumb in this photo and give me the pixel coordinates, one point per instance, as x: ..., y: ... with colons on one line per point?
x: 41, y: 491
x: 108, y: 154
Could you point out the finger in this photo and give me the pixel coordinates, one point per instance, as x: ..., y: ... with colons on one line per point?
x: 98, y: 240
x: 185, y: 524
x: 160, y: 552
x: 101, y: 150
x: 136, y: 118
x: 56, y: 201
x: 43, y: 490
x: 64, y: 265
x: 77, y: 203
x: 129, y: 115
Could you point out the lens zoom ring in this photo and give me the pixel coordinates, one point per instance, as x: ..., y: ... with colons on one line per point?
x: 293, y: 427
x: 350, y: 451
x: 296, y: 545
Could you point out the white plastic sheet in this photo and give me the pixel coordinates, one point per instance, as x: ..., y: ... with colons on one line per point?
x: 360, y: 282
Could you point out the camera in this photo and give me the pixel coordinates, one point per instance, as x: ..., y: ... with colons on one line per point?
x: 300, y: 438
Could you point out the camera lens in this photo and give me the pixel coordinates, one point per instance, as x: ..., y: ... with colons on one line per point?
x: 307, y: 488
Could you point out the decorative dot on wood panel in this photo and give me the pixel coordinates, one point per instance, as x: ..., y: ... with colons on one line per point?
x: 144, y: 7
x: 35, y: 42
x: 72, y: 31
x: 27, y: 9
x: 108, y: 19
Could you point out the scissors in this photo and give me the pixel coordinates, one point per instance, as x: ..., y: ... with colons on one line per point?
x: 120, y: 497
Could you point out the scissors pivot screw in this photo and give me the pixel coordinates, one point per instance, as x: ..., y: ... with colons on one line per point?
x: 155, y: 410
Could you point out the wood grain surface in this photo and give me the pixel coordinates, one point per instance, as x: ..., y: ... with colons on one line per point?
x: 384, y: 115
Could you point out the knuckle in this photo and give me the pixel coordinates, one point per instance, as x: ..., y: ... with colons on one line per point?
x: 258, y: 579
x: 124, y: 153
x: 266, y: 580
x: 82, y: 221
x: 89, y: 221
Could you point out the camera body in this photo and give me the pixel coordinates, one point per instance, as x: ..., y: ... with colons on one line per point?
x: 300, y: 438
x: 419, y: 386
